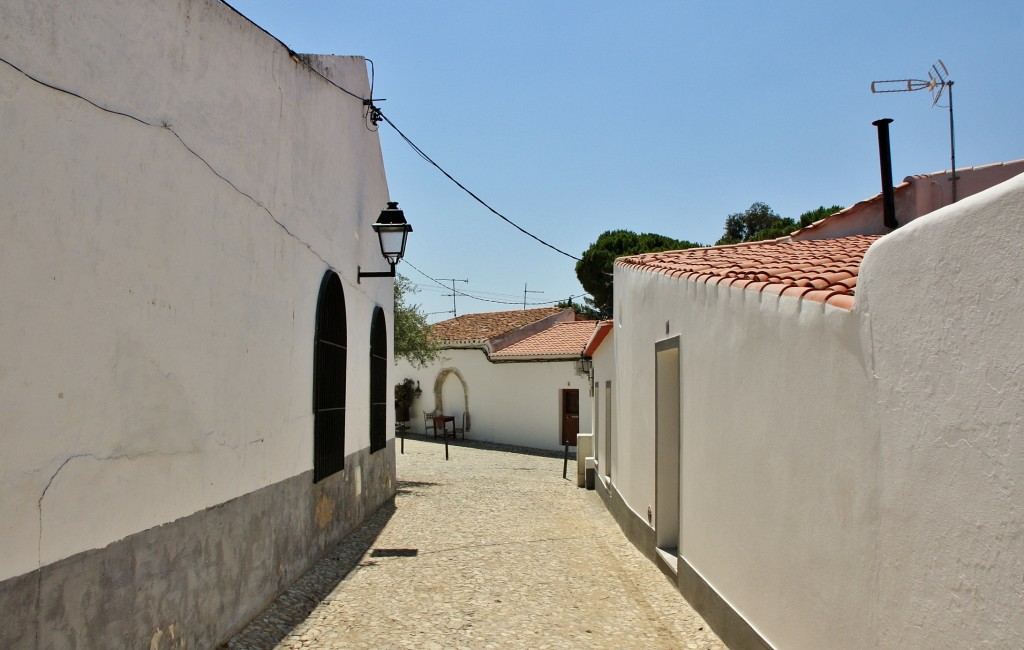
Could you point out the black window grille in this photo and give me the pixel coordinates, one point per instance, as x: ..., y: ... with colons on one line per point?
x: 330, y: 353
x: 378, y: 381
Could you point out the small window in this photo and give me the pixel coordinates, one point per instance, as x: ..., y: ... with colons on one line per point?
x: 378, y: 381
x: 330, y: 352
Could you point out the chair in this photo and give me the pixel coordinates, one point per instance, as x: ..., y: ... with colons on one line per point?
x: 428, y: 422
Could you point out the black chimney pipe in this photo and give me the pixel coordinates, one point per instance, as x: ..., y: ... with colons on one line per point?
x: 885, y: 158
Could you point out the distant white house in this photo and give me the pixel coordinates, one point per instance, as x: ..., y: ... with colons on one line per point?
x: 511, y: 376
x: 820, y: 439
x: 185, y: 374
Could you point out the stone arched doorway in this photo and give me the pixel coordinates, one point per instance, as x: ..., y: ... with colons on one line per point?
x: 445, y: 385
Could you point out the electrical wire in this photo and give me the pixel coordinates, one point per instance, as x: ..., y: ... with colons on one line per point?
x: 372, y: 114
x: 169, y: 128
x: 375, y: 116
x: 465, y: 189
x: 490, y: 300
x: 369, y: 116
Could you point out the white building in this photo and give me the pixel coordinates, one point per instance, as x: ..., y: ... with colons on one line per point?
x: 820, y: 440
x: 513, y: 372
x: 184, y: 203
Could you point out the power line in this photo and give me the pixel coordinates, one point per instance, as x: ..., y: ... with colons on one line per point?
x: 375, y: 116
x: 455, y: 310
x: 490, y: 300
x: 526, y: 291
x: 465, y: 189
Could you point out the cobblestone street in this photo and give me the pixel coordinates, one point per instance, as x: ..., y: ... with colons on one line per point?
x: 491, y: 549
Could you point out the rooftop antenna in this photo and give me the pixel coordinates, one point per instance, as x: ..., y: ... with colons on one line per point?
x: 938, y: 81
x: 454, y: 292
x: 525, y: 291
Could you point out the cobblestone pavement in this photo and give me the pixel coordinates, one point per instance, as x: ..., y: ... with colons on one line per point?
x: 491, y: 549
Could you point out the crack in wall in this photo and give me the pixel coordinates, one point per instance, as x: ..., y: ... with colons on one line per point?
x: 68, y: 460
x: 64, y: 464
x: 42, y: 497
x: 167, y: 126
x: 39, y: 544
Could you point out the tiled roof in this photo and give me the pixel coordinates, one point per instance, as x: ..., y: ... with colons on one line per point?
x: 972, y: 180
x: 822, y: 270
x: 563, y: 339
x: 481, y: 327
x: 603, y: 329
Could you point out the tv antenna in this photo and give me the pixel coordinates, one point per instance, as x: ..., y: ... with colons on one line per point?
x: 937, y: 83
x: 454, y: 293
x: 525, y: 291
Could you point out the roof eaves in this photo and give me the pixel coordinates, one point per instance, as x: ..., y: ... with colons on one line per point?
x: 600, y: 333
x: 823, y: 271
x: 498, y: 357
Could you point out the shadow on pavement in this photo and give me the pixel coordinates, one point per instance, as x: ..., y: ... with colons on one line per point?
x: 411, y: 487
x: 493, y: 446
x: 296, y: 603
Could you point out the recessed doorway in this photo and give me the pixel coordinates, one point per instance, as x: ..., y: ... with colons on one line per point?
x: 667, y: 451
x: 570, y: 416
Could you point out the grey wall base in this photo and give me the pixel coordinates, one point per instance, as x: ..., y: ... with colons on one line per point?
x: 635, y: 529
x: 727, y: 623
x: 191, y: 582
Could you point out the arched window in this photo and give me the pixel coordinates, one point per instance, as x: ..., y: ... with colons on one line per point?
x: 329, y: 366
x: 378, y: 381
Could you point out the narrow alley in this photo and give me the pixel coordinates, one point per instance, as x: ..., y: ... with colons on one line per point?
x: 491, y: 549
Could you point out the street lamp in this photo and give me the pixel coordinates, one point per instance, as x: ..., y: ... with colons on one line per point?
x: 585, y: 367
x: 393, y: 231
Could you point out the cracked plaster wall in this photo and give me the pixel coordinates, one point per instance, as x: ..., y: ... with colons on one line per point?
x: 165, y: 234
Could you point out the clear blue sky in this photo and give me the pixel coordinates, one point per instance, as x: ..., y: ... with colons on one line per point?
x: 572, y: 118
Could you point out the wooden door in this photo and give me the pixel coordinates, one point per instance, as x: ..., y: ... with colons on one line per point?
x: 570, y: 415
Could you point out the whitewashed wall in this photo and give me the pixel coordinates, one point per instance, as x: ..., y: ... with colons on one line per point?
x: 602, y: 425
x: 160, y: 271
x: 509, y: 403
x: 848, y: 479
x: 945, y: 301
x: 775, y: 457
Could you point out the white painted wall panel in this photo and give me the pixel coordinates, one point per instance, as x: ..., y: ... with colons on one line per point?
x: 773, y: 514
x: 849, y: 479
x: 159, y: 303
x: 946, y: 304
x: 509, y: 403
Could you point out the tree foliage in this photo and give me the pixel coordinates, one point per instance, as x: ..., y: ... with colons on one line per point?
x: 583, y: 312
x: 817, y: 214
x: 413, y: 338
x: 759, y: 222
x: 754, y: 224
x: 594, y: 270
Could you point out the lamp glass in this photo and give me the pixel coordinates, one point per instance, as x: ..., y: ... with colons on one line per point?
x: 392, y: 240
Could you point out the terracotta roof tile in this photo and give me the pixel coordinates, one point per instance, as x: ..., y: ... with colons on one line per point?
x: 481, y: 327
x: 821, y: 270
x: 601, y: 331
x: 563, y: 339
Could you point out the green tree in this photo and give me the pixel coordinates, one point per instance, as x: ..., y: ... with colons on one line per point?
x: 583, y: 312
x: 414, y: 341
x: 594, y: 270
x: 759, y: 222
x: 756, y: 223
x: 817, y: 214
